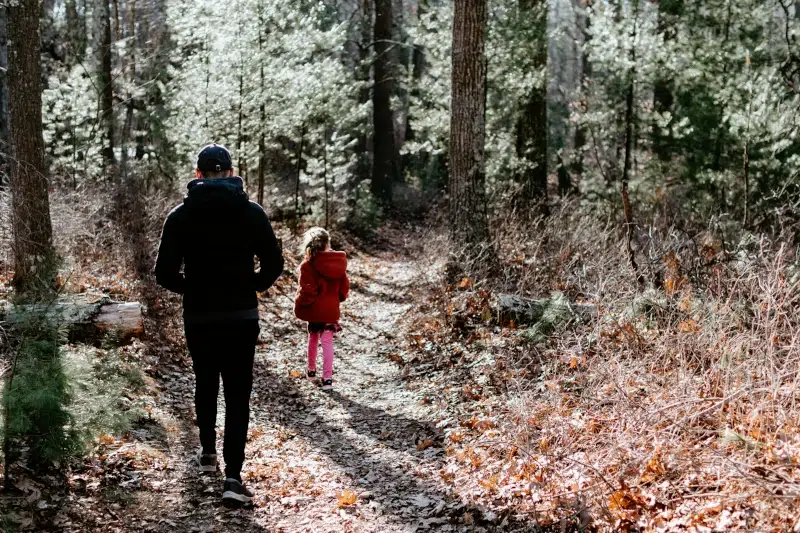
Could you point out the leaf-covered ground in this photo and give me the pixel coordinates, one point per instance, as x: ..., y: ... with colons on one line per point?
x: 371, y: 456
x: 443, y: 418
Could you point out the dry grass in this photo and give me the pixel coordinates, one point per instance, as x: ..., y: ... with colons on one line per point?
x: 674, y: 408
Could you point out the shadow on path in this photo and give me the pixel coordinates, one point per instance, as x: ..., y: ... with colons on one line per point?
x: 401, y: 490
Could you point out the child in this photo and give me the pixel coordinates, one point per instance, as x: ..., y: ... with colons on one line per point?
x: 323, y: 285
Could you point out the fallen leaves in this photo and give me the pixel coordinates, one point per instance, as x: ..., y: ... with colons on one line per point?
x: 456, y: 436
x: 626, y: 504
x: 654, y: 468
x: 346, y: 498
x: 424, y: 444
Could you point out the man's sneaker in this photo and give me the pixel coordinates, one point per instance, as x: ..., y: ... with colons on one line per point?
x: 327, y: 385
x: 311, y: 373
x: 206, y: 462
x: 235, y: 492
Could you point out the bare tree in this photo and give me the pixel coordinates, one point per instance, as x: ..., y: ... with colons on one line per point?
x: 531, y: 127
x: 106, y: 84
x: 469, y: 223
x: 630, y: 119
x: 3, y: 92
x: 33, y: 232
x: 669, y: 12
x: 384, y: 168
x: 262, y: 113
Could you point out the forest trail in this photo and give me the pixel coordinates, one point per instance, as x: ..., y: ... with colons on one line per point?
x: 364, y: 458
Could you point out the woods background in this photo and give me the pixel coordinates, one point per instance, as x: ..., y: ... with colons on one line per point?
x: 612, y: 186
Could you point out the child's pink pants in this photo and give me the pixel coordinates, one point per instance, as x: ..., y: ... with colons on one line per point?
x: 327, y: 352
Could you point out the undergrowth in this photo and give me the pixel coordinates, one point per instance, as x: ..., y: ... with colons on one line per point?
x: 665, y: 406
x: 59, y: 397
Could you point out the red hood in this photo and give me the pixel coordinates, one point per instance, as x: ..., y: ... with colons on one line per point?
x: 331, y: 265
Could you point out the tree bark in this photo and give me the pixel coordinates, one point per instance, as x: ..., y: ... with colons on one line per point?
x: 364, y: 145
x: 33, y: 232
x: 581, y: 136
x: 384, y: 165
x: 663, y: 99
x: 325, y: 175
x: 469, y: 221
x: 3, y: 93
x: 401, y: 66
x: 86, y: 319
x: 531, y: 128
x: 298, y: 171
x: 76, y: 29
x: 262, y: 149
x: 129, y: 126
x: 630, y: 119
x: 106, y: 86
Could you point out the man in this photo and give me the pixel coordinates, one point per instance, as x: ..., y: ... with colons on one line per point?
x: 215, y: 234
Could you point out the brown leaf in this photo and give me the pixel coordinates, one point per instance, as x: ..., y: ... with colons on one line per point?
x: 397, y: 358
x: 346, y: 498
x: 424, y: 444
x: 456, y: 436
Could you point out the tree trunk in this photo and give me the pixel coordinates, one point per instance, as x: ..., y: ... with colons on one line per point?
x: 581, y: 136
x: 531, y: 128
x: 325, y: 175
x: 76, y: 29
x: 240, y: 135
x: 33, y: 232
x: 629, y: 146
x: 469, y: 221
x: 85, y: 318
x: 663, y: 99
x: 401, y: 65
x: 106, y: 87
x: 298, y: 171
x: 262, y: 149
x: 129, y: 126
x: 384, y: 165
x: 719, y: 143
x: 364, y: 145
x: 3, y: 93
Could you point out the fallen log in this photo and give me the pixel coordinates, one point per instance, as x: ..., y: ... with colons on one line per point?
x: 526, y: 311
x: 86, y: 318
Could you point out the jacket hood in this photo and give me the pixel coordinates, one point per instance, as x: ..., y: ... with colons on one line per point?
x: 216, y: 195
x: 330, y: 264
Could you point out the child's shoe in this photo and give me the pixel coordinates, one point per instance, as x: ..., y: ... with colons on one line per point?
x: 311, y: 373
x: 327, y: 385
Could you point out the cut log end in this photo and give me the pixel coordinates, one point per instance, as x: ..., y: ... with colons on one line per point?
x: 89, y: 320
x: 124, y: 318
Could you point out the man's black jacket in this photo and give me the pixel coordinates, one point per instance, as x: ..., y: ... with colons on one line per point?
x: 215, y: 234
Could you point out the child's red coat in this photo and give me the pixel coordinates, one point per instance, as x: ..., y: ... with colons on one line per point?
x: 323, y: 285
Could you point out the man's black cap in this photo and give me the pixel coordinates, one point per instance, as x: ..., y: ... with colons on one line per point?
x: 214, y: 158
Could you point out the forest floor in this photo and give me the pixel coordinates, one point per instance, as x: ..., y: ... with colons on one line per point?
x: 370, y: 456
x: 444, y: 417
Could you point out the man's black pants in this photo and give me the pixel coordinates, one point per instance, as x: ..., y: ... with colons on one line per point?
x: 227, y: 350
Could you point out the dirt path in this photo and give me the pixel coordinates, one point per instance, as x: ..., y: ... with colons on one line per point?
x: 366, y: 458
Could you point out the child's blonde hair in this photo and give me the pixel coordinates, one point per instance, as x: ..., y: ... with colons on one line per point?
x: 315, y: 240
